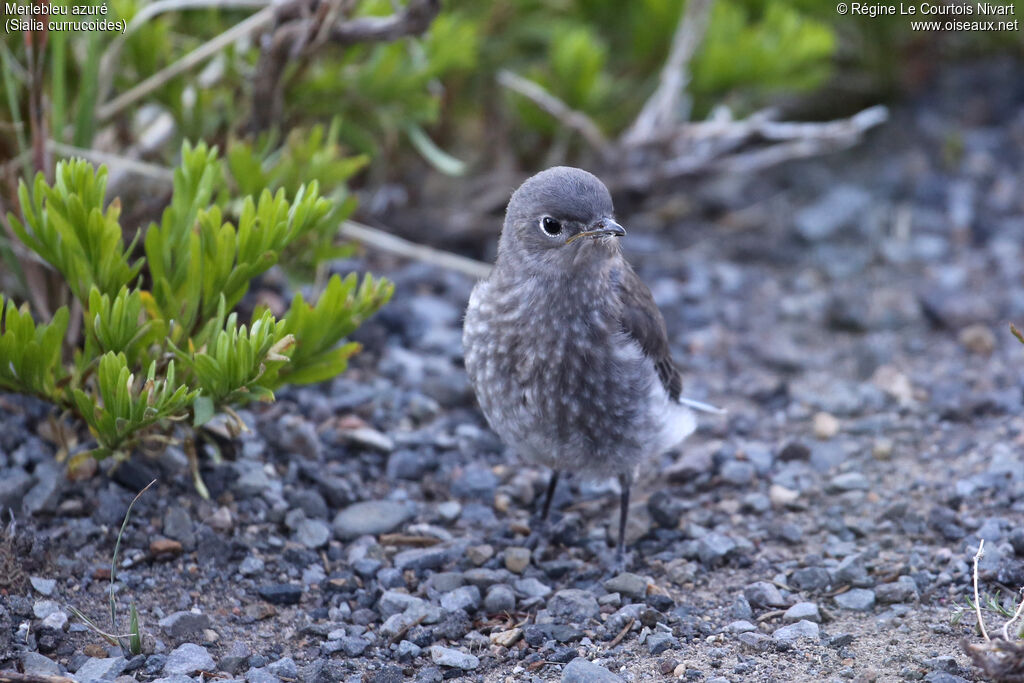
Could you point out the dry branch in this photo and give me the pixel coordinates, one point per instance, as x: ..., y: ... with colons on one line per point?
x: 661, y: 111
x: 299, y: 34
x: 571, y: 118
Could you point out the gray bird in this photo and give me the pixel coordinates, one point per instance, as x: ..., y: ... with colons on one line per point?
x: 564, y: 345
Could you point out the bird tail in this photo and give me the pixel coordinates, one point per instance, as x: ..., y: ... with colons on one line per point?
x: 701, y: 406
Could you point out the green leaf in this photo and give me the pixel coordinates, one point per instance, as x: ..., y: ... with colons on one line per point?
x: 203, y: 410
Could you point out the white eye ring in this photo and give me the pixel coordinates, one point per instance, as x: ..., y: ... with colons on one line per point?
x: 550, y: 226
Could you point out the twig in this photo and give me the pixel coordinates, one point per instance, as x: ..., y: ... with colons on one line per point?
x: 141, y: 168
x: 571, y: 118
x: 622, y: 634
x: 290, y: 41
x: 977, y: 600
x: 661, y: 109
x: 255, y: 22
x: 1015, y: 617
x: 393, y: 244
x: 147, y: 12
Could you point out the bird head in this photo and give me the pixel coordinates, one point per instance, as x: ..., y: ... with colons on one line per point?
x: 561, y: 217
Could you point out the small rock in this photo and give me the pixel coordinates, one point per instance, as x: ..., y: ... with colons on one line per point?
x: 841, y: 208
x: 312, y: 533
x: 281, y: 593
x: 792, y: 632
x: 479, y: 554
x: 507, y: 638
x: 810, y: 579
x: 782, y: 496
x: 187, y: 659
x: 659, y: 642
x: 43, y: 586
x: 714, y: 548
x: 250, y: 566
x: 369, y: 439
x: 517, y: 559
x: 825, y: 426
x: 44, y: 608
x: 500, y: 598
x: 447, y: 656
x: 902, y: 590
x: 183, y: 624
x: 101, y: 669
x: 532, y: 588
x: 856, y: 599
x: 465, y: 598
x: 371, y: 517
x: 628, y: 584
x: 580, y: 670
x: 36, y: 664
x: 803, y: 611
x: 757, y: 642
x: 573, y: 604
x: 737, y: 472
x: 740, y: 626
x: 764, y: 594
x: 978, y: 338
x: 422, y: 558
x: 848, y: 481
x: 449, y: 510
x: 284, y: 668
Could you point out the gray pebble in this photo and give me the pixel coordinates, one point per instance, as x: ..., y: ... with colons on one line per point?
x: 465, y: 598
x: 447, y: 656
x: 714, y: 548
x: 573, y: 604
x: 43, y: 586
x: 102, y: 669
x: 856, y: 599
x: 764, y: 594
x: 803, y: 611
x: 792, y: 632
x: 312, y: 533
x: 580, y: 670
x: 371, y: 517
x: 500, y: 598
x: 183, y: 624
x: 187, y: 659
x: 628, y: 584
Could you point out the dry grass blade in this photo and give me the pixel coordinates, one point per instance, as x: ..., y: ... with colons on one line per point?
x: 622, y: 634
x: 977, y: 600
x: 117, y: 549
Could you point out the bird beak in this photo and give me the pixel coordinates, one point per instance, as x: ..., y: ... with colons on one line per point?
x: 603, y: 228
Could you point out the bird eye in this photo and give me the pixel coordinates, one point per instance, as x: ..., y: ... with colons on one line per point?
x: 550, y: 226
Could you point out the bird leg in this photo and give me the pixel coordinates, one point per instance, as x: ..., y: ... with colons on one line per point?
x: 537, y: 539
x: 623, y: 514
x: 552, y: 483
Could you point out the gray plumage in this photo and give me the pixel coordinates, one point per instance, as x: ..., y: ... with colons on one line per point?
x: 563, y: 342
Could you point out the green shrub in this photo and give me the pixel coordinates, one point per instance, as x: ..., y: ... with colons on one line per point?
x: 160, y: 343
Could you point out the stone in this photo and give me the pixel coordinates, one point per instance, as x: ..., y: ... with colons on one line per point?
x: 371, y: 517
x: 422, y: 558
x: 368, y: 438
x: 281, y: 593
x: 479, y: 554
x: 792, y: 632
x: 532, y: 588
x: 507, y: 638
x: 517, y: 559
x: 580, y: 670
x: 810, y: 579
x: 500, y: 598
x: 659, y: 642
x: 395, y: 602
x: 465, y: 598
x: 740, y: 626
x: 903, y: 589
x: 39, y: 665
x: 856, y: 599
x: 714, y: 548
x: 260, y: 675
x: 764, y: 594
x: 183, y: 624
x: 738, y: 472
x: 447, y: 656
x: 235, y: 657
x: 803, y: 611
x: 14, y: 484
x: 312, y: 533
x: 573, y: 604
x: 631, y: 585
x: 44, y: 608
x: 978, y: 338
x: 475, y: 482
x: 179, y: 527
x: 43, y: 586
x: 101, y: 669
x: 187, y: 659
x: 825, y: 425
x: 848, y: 481
x: 841, y: 208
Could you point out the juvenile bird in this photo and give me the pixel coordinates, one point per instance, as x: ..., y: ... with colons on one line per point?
x: 564, y: 345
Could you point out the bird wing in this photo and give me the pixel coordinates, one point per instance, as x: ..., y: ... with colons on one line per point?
x: 642, y: 321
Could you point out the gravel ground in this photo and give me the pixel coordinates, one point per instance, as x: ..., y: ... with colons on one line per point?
x: 850, y: 312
